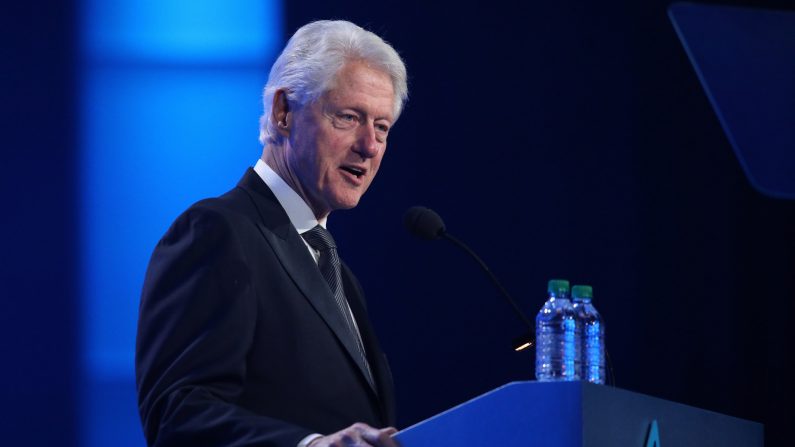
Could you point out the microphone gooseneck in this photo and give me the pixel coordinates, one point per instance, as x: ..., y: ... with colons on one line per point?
x: 427, y: 224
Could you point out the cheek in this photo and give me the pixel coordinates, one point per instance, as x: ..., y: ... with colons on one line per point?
x: 332, y: 149
x: 304, y: 154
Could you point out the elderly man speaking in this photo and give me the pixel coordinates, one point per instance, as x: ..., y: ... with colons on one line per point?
x: 252, y: 332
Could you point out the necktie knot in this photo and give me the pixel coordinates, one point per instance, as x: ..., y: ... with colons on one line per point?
x: 319, y: 238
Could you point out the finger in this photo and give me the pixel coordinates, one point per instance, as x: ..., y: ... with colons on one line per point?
x: 349, y: 440
x: 390, y: 432
x: 358, y: 434
x: 380, y: 438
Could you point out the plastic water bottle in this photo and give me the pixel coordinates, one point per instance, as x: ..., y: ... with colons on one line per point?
x: 593, y: 335
x: 558, y: 336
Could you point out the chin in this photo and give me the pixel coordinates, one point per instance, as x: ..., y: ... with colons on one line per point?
x: 346, y: 203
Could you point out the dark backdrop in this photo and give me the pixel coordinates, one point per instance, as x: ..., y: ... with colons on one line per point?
x: 38, y: 225
x: 560, y: 139
x: 568, y: 139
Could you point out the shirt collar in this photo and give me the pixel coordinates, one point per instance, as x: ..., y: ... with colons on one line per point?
x: 301, y: 216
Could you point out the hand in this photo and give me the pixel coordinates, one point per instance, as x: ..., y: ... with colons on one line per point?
x: 358, y: 435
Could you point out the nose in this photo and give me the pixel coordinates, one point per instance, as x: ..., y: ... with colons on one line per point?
x: 367, y: 146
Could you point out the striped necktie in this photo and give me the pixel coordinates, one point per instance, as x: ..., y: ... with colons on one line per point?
x: 330, y: 267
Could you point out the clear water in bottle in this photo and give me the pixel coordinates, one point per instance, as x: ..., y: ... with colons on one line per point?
x: 593, y: 335
x: 558, y: 336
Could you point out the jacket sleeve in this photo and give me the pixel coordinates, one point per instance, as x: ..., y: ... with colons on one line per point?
x: 196, y: 323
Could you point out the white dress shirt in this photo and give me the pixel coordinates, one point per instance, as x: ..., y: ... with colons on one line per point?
x: 301, y: 216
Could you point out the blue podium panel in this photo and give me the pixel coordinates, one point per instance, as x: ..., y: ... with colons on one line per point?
x: 577, y: 414
x: 616, y: 417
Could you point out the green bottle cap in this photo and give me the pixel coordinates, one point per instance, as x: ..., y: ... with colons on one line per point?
x: 558, y: 286
x: 582, y: 292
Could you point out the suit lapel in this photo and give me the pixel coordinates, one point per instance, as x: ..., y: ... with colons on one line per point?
x: 291, y: 250
x: 378, y: 362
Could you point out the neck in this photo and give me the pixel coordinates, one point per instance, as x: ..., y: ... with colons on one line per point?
x: 275, y: 156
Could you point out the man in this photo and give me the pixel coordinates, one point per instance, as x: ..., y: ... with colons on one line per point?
x: 251, y: 331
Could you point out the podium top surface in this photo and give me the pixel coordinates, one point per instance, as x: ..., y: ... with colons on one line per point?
x: 568, y: 414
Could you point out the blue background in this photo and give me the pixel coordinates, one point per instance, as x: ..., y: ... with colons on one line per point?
x: 563, y: 139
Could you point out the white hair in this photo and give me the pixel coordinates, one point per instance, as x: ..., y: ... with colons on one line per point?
x: 317, y: 51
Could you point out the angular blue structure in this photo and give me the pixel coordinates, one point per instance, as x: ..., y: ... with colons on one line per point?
x: 745, y: 61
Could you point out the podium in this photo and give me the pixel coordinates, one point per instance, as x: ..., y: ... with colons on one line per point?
x: 581, y: 414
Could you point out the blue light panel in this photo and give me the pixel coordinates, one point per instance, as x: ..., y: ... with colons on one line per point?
x: 182, y: 30
x: 154, y: 142
x: 169, y: 112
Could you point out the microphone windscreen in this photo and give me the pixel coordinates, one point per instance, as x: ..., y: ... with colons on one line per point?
x: 423, y: 222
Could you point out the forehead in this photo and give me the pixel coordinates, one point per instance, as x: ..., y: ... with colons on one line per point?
x: 360, y: 86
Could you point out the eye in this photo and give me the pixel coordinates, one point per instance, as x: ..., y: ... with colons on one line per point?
x: 382, y: 128
x: 344, y: 120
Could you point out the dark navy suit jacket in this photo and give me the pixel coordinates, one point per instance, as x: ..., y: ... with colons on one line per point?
x: 240, y: 342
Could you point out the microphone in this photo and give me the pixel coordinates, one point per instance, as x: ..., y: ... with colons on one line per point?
x: 426, y: 224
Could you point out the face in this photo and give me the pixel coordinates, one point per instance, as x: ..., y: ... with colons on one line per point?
x: 335, y: 144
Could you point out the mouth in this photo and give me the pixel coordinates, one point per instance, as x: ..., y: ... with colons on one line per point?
x: 354, y: 170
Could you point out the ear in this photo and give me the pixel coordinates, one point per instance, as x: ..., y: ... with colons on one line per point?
x: 281, y: 115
